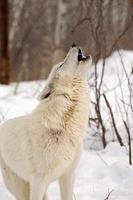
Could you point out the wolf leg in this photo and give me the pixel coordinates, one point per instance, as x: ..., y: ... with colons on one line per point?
x: 18, y: 187
x: 66, y: 183
x: 38, y: 188
x: 45, y: 197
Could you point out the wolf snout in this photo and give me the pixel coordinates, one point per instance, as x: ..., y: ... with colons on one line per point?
x: 78, y: 54
x: 82, y: 57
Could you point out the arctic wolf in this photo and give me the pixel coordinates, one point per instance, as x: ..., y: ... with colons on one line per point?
x: 44, y: 146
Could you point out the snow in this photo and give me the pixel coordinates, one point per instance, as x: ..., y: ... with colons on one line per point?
x: 100, y: 172
x: 13, y: 105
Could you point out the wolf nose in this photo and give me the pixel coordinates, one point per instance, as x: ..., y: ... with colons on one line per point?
x: 73, y: 45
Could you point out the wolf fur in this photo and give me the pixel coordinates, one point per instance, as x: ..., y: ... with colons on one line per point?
x: 44, y: 146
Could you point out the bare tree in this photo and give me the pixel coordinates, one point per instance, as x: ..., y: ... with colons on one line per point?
x: 41, y: 32
x: 4, y: 54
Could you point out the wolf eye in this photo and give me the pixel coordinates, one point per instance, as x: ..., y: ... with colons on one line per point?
x: 60, y: 65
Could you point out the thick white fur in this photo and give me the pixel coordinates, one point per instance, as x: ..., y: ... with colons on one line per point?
x: 45, y: 145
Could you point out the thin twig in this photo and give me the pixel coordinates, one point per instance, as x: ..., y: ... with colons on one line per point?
x: 108, y: 195
x: 113, y: 121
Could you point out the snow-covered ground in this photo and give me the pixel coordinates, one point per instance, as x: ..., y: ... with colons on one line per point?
x: 101, y: 174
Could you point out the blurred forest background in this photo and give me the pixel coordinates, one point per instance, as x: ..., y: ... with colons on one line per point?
x: 40, y: 32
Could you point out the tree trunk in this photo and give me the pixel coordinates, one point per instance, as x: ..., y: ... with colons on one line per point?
x: 4, y: 54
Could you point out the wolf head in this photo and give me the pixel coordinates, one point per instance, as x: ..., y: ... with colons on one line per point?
x: 74, y: 66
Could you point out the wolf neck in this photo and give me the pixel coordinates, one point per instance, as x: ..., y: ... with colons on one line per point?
x: 62, y: 110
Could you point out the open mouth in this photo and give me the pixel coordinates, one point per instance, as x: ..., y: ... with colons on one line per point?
x: 81, y: 56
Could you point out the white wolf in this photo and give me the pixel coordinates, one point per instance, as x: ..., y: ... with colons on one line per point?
x: 44, y: 146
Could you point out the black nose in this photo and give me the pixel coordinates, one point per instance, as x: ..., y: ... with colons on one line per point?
x: 73, y: 45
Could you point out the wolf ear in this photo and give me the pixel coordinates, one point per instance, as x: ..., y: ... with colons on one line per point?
x: 45, y: 92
